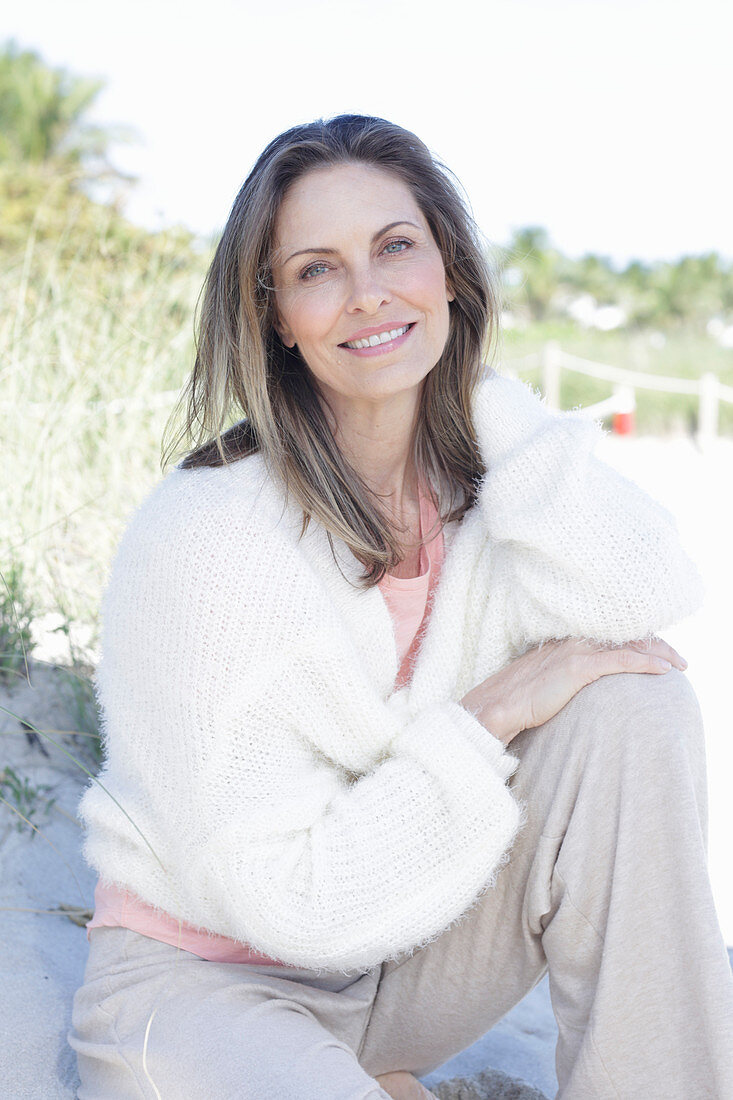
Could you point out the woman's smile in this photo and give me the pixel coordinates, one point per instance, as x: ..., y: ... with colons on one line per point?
x: 378, y: 341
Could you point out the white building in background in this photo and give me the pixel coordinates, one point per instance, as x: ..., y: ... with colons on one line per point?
x: 721, y: 331
x: 587, y: 312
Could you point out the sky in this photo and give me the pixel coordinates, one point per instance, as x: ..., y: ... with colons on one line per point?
x: 605, y: 121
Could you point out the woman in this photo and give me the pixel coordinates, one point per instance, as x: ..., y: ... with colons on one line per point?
x: 323, y: 873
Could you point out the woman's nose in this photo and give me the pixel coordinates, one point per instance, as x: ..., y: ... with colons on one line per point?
x: 367, y: 291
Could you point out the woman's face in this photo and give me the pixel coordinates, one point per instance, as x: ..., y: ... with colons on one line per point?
x: 355, y: 260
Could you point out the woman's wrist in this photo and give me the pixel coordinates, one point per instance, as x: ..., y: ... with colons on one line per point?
x: 490, y: 712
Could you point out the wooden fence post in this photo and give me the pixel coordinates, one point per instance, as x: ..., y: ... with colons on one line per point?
x: 551, y: 365
x: 707, y: 423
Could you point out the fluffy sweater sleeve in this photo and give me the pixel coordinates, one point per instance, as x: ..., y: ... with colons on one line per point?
x: 589, y: 552
x: 264, y: 789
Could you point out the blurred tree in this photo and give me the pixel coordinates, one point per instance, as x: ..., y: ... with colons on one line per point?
x: 53, y: 162
x: 594, y: 275
x: 539, y: 284
x: 636, y: 294
x: 530, y: 270
x: 690, y: 291
x: 726, y: 289
x: 42, y: 116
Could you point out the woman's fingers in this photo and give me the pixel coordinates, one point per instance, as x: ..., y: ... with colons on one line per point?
x: 660, y: 648
x: 655, y: 656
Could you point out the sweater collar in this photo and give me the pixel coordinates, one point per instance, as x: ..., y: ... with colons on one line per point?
x: 505, y: 411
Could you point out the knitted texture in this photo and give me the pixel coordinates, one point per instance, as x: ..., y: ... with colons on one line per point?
x: 268, y: 783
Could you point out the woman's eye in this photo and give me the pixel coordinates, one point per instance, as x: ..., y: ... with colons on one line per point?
x: 392, y: 248
x: 312, y: 270
x: 396, y: 246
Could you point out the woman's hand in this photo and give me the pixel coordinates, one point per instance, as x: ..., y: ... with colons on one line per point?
x: 535, y: 686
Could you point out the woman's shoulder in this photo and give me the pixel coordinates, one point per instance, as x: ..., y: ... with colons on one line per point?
x: 500, y: 398
x: 210, y: 513
x: 509, y: 414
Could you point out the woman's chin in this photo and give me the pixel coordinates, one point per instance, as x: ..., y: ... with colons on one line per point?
x: 392, y: 383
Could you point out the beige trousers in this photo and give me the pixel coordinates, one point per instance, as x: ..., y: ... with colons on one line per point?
x: 606, y: 885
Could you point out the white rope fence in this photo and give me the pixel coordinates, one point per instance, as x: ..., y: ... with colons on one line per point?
x: 552, y: 360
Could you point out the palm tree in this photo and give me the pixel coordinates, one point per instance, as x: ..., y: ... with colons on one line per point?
x: 532, y: 265
x: 690, y: 291
x: 594, y: 275
x: 42, y: 114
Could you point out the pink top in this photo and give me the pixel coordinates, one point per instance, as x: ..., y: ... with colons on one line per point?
x: 407, y: 598
x: 408, y: 603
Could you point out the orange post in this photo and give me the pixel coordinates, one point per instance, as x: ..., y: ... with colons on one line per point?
x: 622, y: 422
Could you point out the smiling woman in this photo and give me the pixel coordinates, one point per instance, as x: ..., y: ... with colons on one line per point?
x: 341, y: 232
x: 321, y: 872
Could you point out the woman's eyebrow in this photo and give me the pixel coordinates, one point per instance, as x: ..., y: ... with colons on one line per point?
x: 330, y: 251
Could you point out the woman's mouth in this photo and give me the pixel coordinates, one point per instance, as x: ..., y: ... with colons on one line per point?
x: 379, y: 342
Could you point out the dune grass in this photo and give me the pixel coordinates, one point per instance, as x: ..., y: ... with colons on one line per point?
x: 95, y: 343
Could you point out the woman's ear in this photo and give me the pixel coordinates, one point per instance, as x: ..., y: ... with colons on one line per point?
x: 287, y: 337
x: 450, y: 295
x: 283, y: 332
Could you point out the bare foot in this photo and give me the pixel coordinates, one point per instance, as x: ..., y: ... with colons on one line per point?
x: 401, y: 1085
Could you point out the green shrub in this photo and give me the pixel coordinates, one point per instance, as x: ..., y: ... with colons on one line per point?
x: 17, y: 790
x: 16, y: 616
x: 78, y: 688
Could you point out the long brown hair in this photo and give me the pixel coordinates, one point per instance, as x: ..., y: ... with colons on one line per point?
x: 243, y: 368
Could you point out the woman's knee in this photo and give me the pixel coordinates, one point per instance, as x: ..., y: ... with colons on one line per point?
x: 664, y: 698
x: 647, y: 716
x: 637, y: 713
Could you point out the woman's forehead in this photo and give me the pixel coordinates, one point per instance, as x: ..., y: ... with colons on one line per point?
x: 339, y: 199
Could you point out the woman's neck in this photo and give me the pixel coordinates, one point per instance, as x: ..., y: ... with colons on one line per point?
x: 377, y: 441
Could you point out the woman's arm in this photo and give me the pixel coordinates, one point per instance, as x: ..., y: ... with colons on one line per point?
x: 322, y: 868
x: 590, y: 553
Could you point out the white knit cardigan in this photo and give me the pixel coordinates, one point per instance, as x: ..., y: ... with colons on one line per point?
x: 268, y: 783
